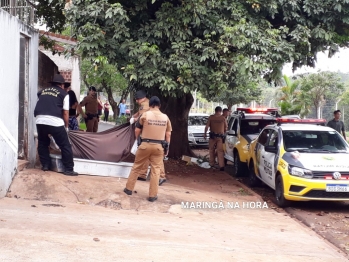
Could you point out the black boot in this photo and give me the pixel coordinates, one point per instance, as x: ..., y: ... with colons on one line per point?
x: 70, y: 173
x: 128, y: 192
x: 45, y: 168
x: 152, y: 199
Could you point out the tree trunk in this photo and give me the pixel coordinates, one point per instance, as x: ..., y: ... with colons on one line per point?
x: 177, y: 109
x: 229, y: 107
x: 113, y: 104
x: 318, y: 113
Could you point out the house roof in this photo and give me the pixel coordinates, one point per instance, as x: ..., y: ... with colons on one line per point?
x: 59, y: 38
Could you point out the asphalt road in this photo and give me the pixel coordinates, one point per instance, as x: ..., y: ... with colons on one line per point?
x: 102, y: 126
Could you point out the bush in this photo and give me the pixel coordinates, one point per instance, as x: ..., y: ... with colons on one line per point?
x: 121, y: 120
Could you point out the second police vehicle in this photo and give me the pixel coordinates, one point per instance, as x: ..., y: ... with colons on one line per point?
x: 244, y: 125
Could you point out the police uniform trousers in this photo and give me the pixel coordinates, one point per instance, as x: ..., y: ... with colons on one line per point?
x: 162, y: 171
x: 216, y: 144
x: 61, y: 138
x: 92, y: 125
x: 147, y: 152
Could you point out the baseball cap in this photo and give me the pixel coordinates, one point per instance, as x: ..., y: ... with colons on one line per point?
x: 140, y: 94
x: 58, y: 78
x: 154, y: 101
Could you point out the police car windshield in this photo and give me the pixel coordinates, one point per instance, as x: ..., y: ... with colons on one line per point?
x: 197, y: 120
x: 253, y: 126
x: 314, y: 141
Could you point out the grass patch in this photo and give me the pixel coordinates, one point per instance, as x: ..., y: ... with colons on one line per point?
x: 244, y: 192
x: 82, y: 126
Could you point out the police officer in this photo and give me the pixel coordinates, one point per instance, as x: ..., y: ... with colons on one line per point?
x: 156, y: 134
x: 218, y: 126
x: 52, y: 117
x: 226, y: 113
x: 91, y: 116
x: 143, y: 103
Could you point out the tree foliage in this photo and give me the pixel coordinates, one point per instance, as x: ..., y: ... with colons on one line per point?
x: 181, y: 46
x: 288, y: 97
x: 232, y: 96
x: 50, y: 13
x: 309, y: 90
x: 321, y: 87
x: 105, y: 76
x: 175, y: 47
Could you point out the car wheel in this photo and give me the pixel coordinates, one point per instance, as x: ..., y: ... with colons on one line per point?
x: 253, y: 180
x: 239, y: 167
x: 281, y: 201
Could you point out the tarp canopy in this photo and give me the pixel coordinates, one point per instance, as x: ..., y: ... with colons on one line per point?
x: 112, y: 145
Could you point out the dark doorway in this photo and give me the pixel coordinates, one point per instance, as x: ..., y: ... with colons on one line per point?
x: 23, y: 98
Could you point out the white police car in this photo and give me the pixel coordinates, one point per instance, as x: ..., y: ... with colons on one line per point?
x: 301, y: 160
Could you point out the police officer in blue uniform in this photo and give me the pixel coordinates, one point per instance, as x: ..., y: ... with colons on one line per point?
x: 52, y: 117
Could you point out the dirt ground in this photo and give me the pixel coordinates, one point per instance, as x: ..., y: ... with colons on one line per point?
x: 329, y: 219
x: 49, y: 216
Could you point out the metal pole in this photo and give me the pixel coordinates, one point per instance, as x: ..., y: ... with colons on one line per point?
x: 337, y: 103
x: 270, y: 103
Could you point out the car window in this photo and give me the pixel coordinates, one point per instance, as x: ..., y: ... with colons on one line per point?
x: 230, y: 124
x: 197, y: 120
x: 313, y: 140
x: 235, y: 125
x: 263, y: 137
x: 251, y: 126
x: 273, y: 139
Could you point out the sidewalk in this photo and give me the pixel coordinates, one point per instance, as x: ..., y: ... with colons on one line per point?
x: 77, y: 226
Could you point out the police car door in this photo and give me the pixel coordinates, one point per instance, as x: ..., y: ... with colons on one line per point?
x: 231, y: 138
x: 268, y: 154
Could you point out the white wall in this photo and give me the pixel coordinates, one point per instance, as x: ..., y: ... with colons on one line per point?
x: 10, y: 31
x: 75, y: 76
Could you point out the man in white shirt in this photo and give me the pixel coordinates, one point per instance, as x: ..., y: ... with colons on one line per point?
x: 52, y: 117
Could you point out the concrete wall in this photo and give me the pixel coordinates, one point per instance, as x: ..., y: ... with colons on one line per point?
x: 10, y: 31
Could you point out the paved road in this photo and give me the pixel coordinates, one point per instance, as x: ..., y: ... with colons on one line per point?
x: 102, y: 126
x: 51, y: 217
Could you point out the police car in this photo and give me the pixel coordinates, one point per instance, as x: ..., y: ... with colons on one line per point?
x: 244, y: 125
x: 301, y: 159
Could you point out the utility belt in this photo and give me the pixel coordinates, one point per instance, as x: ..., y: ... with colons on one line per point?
x: 163, y: 143
x: 91, y: 116
x: 214, y: 135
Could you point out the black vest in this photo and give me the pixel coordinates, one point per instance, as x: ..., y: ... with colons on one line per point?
x: 50, y: 102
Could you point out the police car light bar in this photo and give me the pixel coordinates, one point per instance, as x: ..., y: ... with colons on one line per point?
x: 256, y: 110
x: 301, y: 121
